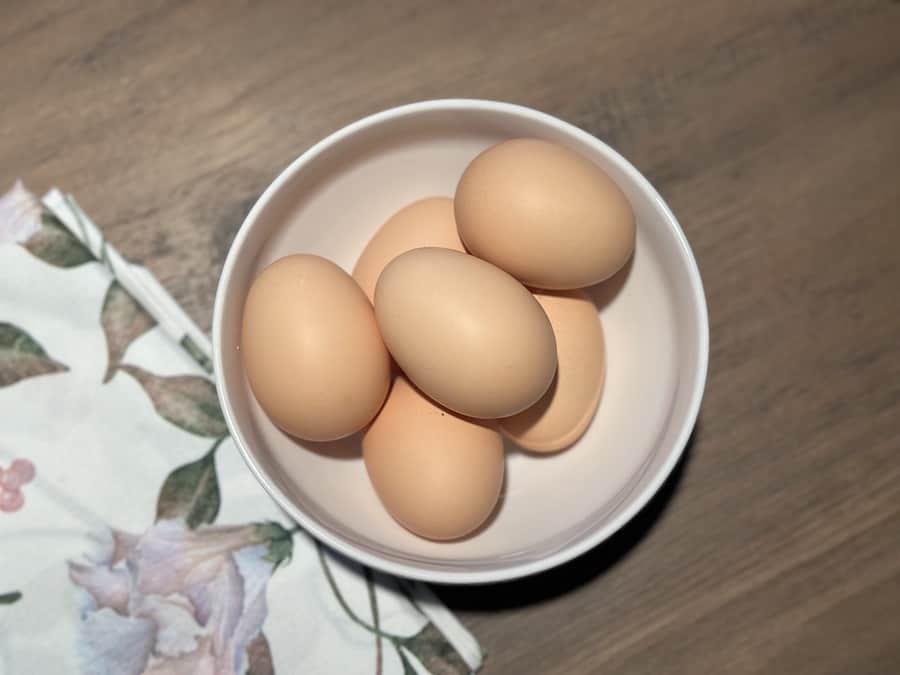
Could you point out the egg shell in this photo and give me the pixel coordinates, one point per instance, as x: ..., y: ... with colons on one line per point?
x: 427, y: 222
x: 545, y: 214
x: 311, y: 349
x: 437, y: 473
x: 565, y: 411
x: 465, y: 332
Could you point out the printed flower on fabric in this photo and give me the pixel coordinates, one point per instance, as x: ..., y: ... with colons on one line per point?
x: 12, y: 480
x: 24, y: 221
x: 174, y: 600
x: 20, y: 215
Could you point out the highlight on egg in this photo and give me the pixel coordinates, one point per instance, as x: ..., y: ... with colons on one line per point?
x: 426, y: 222
x: 465, y: 332
x: 437, y: 473
x: 308, y: 383
x: 550, y: 217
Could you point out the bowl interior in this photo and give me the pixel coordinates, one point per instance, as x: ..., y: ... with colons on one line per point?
x: 330, y: 202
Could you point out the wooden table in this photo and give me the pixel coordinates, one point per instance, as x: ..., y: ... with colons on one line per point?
x: 773, y: 130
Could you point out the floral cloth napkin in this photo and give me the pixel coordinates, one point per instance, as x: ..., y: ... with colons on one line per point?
x: 132, y: 538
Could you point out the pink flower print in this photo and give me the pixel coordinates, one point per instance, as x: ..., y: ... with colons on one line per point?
x: 20, y: 215
x: 12, y: 480
x: 175, y: 600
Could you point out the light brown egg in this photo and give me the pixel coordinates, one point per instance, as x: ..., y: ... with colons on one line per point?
x: 311, y: 349
x: 565, y: 411
x: 437, y: 473
x: 427, y: 222
x: 465, y: 332
x: 545, y: 214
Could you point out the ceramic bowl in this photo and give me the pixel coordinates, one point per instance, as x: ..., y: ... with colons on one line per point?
x: 329, y: 202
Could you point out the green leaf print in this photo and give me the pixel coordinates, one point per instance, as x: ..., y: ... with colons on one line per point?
x: 196, y: 353
x: 22, y: 357
x: 435, y: 652
x: 56, y: 246
x: 429, y: 645
x: 407, y: 666
x: 10, y: 598
x: 376, y: 620
x: 123, y: 321
x: 187, y: 401
x: 191, y: 492
x: 280, y: 542
x: 259, y: 657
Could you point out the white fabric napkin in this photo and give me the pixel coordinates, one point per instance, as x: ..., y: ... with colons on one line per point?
x: 132, y: 537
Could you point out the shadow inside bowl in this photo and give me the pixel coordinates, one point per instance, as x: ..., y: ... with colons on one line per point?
x: 497, y: 507
x: 578, y: 572
x: 510, y: 446
x: 606, y: 291
x: 343, y: 448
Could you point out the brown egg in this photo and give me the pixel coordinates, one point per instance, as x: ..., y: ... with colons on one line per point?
x: 311, y: 349
x: 545, y: 214
x: 437, y: 473
x: 565, y: 411
x: 465, y: 332
x: 427, y: 222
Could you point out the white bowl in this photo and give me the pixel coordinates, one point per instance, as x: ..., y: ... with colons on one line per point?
x: 329, y: 202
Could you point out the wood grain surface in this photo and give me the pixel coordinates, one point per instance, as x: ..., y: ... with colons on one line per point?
x: 773, y: 130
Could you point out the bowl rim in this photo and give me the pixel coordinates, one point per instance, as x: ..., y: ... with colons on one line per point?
x: 505, y: 572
